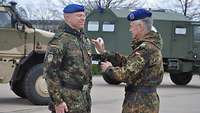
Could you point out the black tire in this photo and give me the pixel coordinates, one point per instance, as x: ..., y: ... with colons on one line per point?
x: 181, y: 78
x: 18, y: 88
x: 109, y: 80
x: 33, y: 82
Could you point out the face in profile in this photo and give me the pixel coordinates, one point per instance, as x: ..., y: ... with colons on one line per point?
x: 136, y: 28
x: 76, y: 20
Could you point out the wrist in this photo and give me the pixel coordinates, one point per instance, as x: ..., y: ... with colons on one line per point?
x: 103, y: 51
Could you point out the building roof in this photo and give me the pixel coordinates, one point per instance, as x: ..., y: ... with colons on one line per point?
x: 47, y: 22
x: 157, y: 15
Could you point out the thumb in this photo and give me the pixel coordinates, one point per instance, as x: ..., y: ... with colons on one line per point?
x: 66, y: 109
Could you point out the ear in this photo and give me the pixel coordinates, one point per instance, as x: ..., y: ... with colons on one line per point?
x: 65, y: 16
x: 141, y: 27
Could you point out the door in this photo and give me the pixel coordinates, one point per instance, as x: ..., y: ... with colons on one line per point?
x: 180, y: 40
x: 196, y: 42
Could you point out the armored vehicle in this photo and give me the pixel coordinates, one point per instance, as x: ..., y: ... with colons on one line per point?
x: 22, y: 50
x: 181, y: 39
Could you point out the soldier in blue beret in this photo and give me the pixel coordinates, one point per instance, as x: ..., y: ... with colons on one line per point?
x: 142, y: 70
x: 67, y: 65
x: 72, y: 8
x: 139, y: 14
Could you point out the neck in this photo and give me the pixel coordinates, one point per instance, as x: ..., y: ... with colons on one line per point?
x: 70, y: 25
x: 141, y: 35
x: 69, y: 29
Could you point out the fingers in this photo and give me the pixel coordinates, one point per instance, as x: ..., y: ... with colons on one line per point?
x: 61, y: 108
x: 105, y: 65
x: 66, y: 109
x: 94, y: 41
x: 99, y: 40
x: 60, y: 111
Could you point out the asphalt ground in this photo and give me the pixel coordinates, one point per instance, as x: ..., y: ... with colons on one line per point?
x: 108, y: 98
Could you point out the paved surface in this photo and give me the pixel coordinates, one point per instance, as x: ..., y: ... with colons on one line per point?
x: 108, y: 98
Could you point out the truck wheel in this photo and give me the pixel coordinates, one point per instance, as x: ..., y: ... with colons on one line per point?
x: 35, y: 86
x: 181, y: 78
x: 18, y: 88
x: 109, y: 80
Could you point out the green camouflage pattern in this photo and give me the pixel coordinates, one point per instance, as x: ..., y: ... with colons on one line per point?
x: 141, y: 103
x: 143, y: 68
x: 68, y: 61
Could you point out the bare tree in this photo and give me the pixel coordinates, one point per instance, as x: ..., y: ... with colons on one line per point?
x: 95, y: 4
x: 47, y: 11
x: 188, y: 5
x: 189, y: 8
x: 50, y: 10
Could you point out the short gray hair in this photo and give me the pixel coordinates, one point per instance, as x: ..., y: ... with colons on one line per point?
x: 148, y: 22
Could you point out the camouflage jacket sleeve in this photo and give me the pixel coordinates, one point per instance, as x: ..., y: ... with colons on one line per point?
x: 115, y: 58
x: 134, y: 65
x: 52, y: 64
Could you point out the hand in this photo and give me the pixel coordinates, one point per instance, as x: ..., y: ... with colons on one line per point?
x: 61, y: 108
x: 99, y: 45
x: 105, y: 65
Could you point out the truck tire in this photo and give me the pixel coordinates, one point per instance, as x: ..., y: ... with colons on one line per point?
x: 35, y: 86
x: 18, y: 88
x: 181, y: 78
x: 109, y: 80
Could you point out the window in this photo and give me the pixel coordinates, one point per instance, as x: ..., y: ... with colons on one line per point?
x: 180, y: 31
x: 93, y: 26
x: 108, y: 27
x: 197, y: 33
x: 5, y: 20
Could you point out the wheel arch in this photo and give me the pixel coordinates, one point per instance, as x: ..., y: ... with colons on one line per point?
x: 33, y: 58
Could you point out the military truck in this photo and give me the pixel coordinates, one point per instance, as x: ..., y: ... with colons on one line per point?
x: 181, y: 39
x: 22, y: 49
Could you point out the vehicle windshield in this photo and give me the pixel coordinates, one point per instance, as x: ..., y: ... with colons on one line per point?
x: 5, y: 20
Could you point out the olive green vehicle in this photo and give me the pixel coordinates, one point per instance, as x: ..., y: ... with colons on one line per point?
x: 181, y: 39
x: 22, y: 49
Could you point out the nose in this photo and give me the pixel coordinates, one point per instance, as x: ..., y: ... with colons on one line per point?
x: 83, y: 17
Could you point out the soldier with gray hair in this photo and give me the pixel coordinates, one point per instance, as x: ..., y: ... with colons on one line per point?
x: 142, y: 70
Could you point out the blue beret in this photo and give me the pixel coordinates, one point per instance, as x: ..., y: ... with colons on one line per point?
x: 139, y: 14
x: 72, y: 8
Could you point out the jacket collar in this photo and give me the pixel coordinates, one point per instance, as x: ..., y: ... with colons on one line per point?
x: 68, y: 29
x: 152, y: 37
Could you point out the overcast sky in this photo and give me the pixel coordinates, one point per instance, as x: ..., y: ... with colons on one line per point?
x: 42, y: 4
x: 149, y: 3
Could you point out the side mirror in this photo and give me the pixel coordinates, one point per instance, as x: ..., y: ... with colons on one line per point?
x: 19, y: 27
